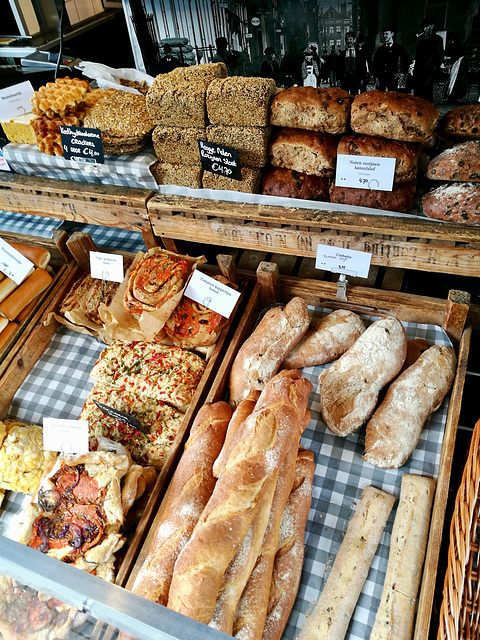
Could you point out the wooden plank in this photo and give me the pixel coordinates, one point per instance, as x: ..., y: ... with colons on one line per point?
x: 393, y: 279
x: 249, y: 260
x: 385, y: 252
x: 106, y: 205
x: 286, y: 264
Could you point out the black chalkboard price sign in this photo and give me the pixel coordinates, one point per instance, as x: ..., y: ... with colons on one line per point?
x: 82, y: 144
x: 216, y: 158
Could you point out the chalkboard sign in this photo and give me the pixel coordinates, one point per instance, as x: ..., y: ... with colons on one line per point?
x: 219, y: 159
x: 82, y: 144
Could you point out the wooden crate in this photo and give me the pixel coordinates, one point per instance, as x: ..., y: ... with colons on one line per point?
x: 401, y: 242
x: 449, y: 314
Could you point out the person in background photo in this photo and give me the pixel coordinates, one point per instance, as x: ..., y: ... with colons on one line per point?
x: 351, y: 65
x: 363, y: 64
x: 291, y: 65
x: 428, y: 60
x: 310, y: 70
x: 168, y: 61
x: 270, y: 67
x: 390, y: 63
x: 224, y: 54
x: 332, y: 66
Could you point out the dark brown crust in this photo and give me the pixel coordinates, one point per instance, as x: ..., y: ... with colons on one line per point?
x: 461, y: 123
x: 400, y: 199
x: 311, y: 152
x: 286, y: 183
x: 458, y: 202
x: 460, y: 162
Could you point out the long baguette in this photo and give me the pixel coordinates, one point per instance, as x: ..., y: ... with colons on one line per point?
x: 394, y: 619
x: 25, y: 293
x: 189, y: 492
x: 331, y: 615
x: 258, y: 448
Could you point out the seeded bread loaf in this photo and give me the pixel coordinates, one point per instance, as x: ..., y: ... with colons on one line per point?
x: 286, y: 183
x: 324, y: 109
x: 177, y: 174
x: 461, y: 123
x: 395, y: 115
x: 460, y: 162
x: 251, y: 181
x: 399, y: 199
x: 178, y: 145
x: 310, y: 152
x: 240, y: 101
x: 250, y: 142
x: 458, y: 202
x: 178, y: 102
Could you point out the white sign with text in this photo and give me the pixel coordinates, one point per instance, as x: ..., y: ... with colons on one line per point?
x: 212, y: 294
x: 106, y: 266
x: 15, y: 100
x: 65, y: 436
x: 365, y: 172
x: 13, y: 264
x: 348, y: 261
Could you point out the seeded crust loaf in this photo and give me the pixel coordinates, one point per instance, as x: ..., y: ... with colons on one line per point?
x: 394, y: 115
x: 286, y: 183
x: 179, y: 174
x: 460, y: 162
x: 458, y: 202
x: 250, y: 142
x: 311, y: 152
x: 251, y: 181
x: 322, y: 109
x: 406, y: 154
x: 461, y: 123
x: 400, y: 199
x: 180, y: 102
x: 240, y: 101
x: 177, y: 145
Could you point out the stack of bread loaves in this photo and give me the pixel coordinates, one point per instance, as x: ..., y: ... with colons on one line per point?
x: 303, y: 150
x: 387, y: 124
x: 458, y: 166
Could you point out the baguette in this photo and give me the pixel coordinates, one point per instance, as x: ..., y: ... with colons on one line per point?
x: 7, y: 286
x: 394, y: 429
x: 258, y: 448
x: 271, y: 590
x: 25, y: 293
x: 349, y: 388
x: 325, y: 340
x: 263, y: 352
x: 40, y: 257
x: 333, y: 611
x: 7, y: 333
x: 189, y: 492
x: 394, y: 619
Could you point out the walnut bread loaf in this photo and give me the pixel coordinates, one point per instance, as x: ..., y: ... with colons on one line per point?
x: 395, y: 115
x: 455, y: 202
x: 324, y: 109
x: 286, y: 183
x: 308, y: 152
x: 461, y: 123
x: 458, y: 163
x: 399, y: 199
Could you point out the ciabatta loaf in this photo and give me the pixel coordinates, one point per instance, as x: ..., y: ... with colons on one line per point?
x: 349, y: 388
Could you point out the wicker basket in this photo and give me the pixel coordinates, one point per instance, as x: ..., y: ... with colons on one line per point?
x: 460, y: 610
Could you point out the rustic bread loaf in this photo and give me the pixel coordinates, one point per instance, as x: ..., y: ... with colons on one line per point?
x: 395, y: 115
x: 394, y: 429
x: 349, y: 388
x: 178, y: 145
x: 406, y: 154
x: 399, y: 199
x: 333, y: 611
x: 250, y: 142
x: 461, y: 123
x: 458, y: 202
x: 251, y: 181
x: 240, y: 101
x: 460, y: 162
x: 325, y: 340
x: 305, y: 151
x: 394, y: 619
x: 178, y: 101
x: 324, y: 109
x: 286, y: 183
x: 179, y: 174
x: 262, y: 353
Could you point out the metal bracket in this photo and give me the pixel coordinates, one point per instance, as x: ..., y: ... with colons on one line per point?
x: 342, y: 288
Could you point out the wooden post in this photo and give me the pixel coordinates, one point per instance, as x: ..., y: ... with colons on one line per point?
x: 228, y: 268
x: 267, y: 277
x: 80, y: 245
x: 456, y: 310
x: 60, y: 236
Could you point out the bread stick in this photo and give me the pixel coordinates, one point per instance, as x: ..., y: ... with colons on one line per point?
x: 40, y: 257
x: 7, y: 333
x: 25, y: 293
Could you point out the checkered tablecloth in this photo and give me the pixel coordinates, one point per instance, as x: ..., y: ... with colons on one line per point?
x: 129, y: 170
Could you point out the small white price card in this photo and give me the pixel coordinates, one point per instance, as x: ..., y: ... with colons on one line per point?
x: 12, y: 263
x: 212, y: 294
x: 348, y: 261
x: 365, y: 172
x: 65, y: 436
x: 106, y: 266
x: 15, y: 100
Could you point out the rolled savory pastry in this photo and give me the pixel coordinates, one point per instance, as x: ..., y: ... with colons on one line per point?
x: 394, y: 619
x: 258, y: 449
x: 394, y: 429
x: 460, y: 162
x: 262, y: 353
x: 349, y: 388
x: 457, y: 202
x: 308, y: 152
x: 333, y: 611
x: 325, y: 340
x: 155, y: 279
x: 189, y: 491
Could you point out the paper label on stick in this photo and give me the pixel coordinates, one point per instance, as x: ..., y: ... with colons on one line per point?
x: 106, y: 266
x: 65, y: 436
x: 365, y: 172
x: 15, y: 100
x: 348, y: 261
x: 12, y: 263
x: 212, y: 294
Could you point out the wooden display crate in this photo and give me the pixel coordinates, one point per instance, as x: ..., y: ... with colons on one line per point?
x: 403, y: 242
x: 451, y: 315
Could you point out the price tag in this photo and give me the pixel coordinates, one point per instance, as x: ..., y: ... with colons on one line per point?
x: 124, y: 418
x: 82, y: 144
x: 106, y: 266
x: 15, y: 100
x: 65, y: 436
x: 13, y: 264
x: 212, y: 294
x: 216, y: 158
x: 348, y: 261
x: 365, y: 172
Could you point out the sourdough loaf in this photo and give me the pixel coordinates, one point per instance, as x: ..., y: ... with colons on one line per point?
x: 305, y: 151
x: 324, y: 109
x: 395, y: 115
x: 286, y: 183
x: 406, y: 154
x: 349, y: 388
x: 457, y: 202
x: 399, y: 199
x: 460, y: 162
x: 461, y: 123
